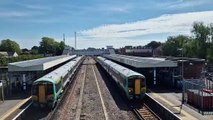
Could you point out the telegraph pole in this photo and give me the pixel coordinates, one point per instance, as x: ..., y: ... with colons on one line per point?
x: 64, y: 38
x: 75, y: 40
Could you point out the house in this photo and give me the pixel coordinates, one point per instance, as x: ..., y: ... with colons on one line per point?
x: 8, y: 54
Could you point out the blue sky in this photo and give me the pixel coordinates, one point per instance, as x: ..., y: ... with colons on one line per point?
x: 100, y: 22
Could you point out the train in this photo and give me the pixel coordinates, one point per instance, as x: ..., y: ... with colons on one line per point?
x: 133, y: 84
x: 47, y: 90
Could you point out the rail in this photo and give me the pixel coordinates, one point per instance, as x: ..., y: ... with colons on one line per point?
x: 143, y: 112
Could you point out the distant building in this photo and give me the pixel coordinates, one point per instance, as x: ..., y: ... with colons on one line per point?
x: 67, y: 50
x: 143, y: 52
x: 192, y: 67
x: 109, y: 47
x: 157, y: 51
x: 9, y: 54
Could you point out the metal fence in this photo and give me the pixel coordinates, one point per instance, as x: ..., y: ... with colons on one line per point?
x: 199, y: 94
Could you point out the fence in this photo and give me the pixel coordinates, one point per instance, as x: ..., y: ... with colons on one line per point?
x: 199, y: 94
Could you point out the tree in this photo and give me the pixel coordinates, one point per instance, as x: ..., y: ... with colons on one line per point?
x: 47, y: 46
x: 34, y: 50
x: 201, y: 33
x: 50, y: 46
x: 10, y: 46
x: 153, y: 44
x: 171, y: 46
x: 60, y: 48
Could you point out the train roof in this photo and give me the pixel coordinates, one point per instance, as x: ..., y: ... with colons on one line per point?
x: 123, y: 70
x: 55, y: 75
x: 45, y: 79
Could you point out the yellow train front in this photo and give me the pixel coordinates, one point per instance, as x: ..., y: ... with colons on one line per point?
x: 45, y: 93
x: 136, y: 87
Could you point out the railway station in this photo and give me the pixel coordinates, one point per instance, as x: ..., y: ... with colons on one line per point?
x: 22, y: 74
x: 90, y: 84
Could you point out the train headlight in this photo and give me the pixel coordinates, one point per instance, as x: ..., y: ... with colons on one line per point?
x: 143, y: 89
x: 130, y: 90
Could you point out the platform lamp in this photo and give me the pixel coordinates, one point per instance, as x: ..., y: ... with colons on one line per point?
x: 183, y: 84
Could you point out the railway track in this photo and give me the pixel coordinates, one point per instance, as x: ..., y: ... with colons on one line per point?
x: 83, y: 104
x: 143, y: 112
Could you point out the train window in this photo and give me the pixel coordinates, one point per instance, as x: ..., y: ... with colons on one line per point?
x: 143, y: 82
x: 58, y: 86
x: 49, y: 89
x: 131, y: 83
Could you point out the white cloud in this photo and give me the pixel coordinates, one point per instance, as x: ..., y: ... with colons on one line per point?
x: 187, y: 3
x: 132, y: 33
x: 14, y: 14
x: 170, y: 23
x: 36, y: 7
x: 115, y: 9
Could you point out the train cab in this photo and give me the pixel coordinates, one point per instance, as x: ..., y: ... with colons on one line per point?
x: 136, y: 87
x: 43, y: 93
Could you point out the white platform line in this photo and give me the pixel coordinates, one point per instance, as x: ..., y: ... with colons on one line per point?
x: 22, y: 111
x: 99, y: 91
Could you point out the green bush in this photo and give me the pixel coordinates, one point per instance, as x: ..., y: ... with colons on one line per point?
x: 4, y: 61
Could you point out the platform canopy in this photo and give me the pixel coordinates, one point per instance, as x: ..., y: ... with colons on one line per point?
x: 142, y: 62
x: 40, y: 64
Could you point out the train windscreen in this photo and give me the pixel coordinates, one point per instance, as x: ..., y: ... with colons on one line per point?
x: 35, y: 90
x: 48, y: 86
x: 131, y: 85
x: 49, y: 89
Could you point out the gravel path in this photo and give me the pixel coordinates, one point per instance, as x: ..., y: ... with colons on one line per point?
x: 91, y: 103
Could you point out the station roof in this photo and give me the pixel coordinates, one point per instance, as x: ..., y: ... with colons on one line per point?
x: 185, y: 59
x: 40, y: 64
x: 142, y: 62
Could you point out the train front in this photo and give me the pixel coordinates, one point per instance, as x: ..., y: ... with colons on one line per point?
x: 43, y: 93
x: 136, y: 87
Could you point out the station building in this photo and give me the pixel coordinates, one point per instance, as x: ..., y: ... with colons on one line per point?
x: 22, y: 74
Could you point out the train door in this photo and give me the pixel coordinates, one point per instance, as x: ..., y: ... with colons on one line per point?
x: 41, y: 91
x: 137, y: 86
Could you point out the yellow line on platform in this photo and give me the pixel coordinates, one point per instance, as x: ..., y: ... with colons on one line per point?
x: 13, y: 109
x: 186, y: 115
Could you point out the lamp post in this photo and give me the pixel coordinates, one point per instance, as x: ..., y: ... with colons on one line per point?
x: 182, y: 75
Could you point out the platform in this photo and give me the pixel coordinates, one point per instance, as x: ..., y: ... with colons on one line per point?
x: 10, y: 105
x: 172, y: 100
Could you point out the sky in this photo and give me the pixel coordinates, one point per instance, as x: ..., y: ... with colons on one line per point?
x: 99, y: 23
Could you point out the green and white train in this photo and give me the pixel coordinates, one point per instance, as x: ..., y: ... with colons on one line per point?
x: 47, y: 89
x: 133, y: 84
